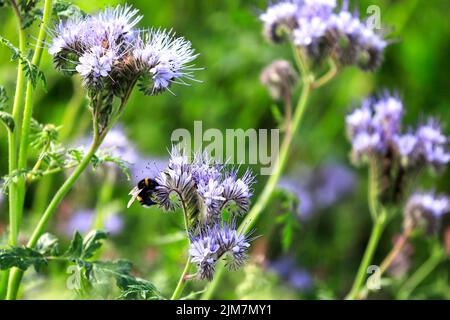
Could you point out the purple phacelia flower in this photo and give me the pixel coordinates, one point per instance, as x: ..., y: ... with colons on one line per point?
x: 108, y: 52
x: 211, y: 243
x: 278, y: 16
x: 406, y: 144
x: 359, y: 120
x: 163, y: 59
x: 365, y: 143
x: 210, y: 187
x: 426, y: 210
x: 309, y: 31
x: 433, y: 144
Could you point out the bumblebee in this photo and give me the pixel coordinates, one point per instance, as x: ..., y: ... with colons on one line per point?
x: 143, y: 192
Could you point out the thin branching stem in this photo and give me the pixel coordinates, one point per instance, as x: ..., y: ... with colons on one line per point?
x: 183, y: 278
x: 436, y: 257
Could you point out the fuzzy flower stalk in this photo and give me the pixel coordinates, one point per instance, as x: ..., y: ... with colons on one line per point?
x: 395, y: 157
x: 205, y: 191
x: 111, y: 55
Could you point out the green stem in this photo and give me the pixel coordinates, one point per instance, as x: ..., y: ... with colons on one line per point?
x: 28, y: 111
x: 42, y: 193
x: 13, y: 137
x: 375, y: 236
x: 16, y: 274
x: 183, y: 278
x: 251, y: 218
x: 330, y: 74
x: 373, y: 189
x: 182, y: 281
x: 424, y: 271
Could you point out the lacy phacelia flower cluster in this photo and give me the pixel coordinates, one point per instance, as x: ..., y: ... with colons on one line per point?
x: 425, y: 210
x: 322, y: 30
x: 107, y: 51
x: 375, y: 132
x: 204, y: 189
x: 212, y: 243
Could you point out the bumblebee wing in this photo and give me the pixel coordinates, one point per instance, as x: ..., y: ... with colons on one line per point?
x: 134, y: 194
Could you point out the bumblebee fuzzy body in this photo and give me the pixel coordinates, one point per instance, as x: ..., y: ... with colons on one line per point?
x: 143, y: 192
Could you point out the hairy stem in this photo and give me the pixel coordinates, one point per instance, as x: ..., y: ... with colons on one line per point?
x: 16, y: 274
x: 27, y: 114
x: 183, y: 278
x: 13, y: 137
x: 398, y: 247
x: 424, y: 271
x: 375, y: 236
x: 373, y: 189
x: 330, y: 74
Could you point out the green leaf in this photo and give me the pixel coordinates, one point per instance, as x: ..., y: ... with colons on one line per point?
x: 8, y: 120
x: 48, y: 244
x: 63, y: 10
x: 28, y: 12
x: 5, y: 117
x: 76, y: 247
x: 92, y: 242
x: 3, y: 97
x: 32, y: 72
x: 105, y: 156
x: 22, y: 258
x: 81, y: 249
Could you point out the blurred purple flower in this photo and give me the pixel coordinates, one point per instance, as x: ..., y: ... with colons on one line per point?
x: 320, y: 188
x: 294, y: 276
x: 80, y: 221
x: 83, y: 221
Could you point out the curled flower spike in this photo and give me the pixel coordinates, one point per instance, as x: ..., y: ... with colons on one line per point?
x: 211, y: 243
x: 109, y: 53
x: 279, y: 77
x: 319, y: 29
x: 279, y: 16
x: 373, y: 127
x: 375, y: 132
x: 203, y: 187
x: 426, y: 210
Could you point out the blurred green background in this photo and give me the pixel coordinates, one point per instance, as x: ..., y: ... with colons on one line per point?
x: 329, y: 245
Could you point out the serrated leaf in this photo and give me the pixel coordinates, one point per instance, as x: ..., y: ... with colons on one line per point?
x: 3, y: 97
x: 48, y: 244
x: 8, y: 120
x: 105, y: 156
x: 63, y: 10
x: 81, y: 249
x: 76, y: 247
x: 92, y: 242
x: 31, y: 71
x: 22, y: 258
